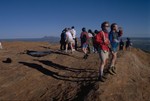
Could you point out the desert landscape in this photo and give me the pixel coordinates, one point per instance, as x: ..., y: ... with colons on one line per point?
x: 58, y: 76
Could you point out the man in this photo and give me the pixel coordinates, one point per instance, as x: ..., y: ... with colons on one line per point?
x: 84, y: 42
x: 62, y: 40
x: 121, y: 45
x: 103, y: 42
x: 73, y: 32
x: 128, y: 44
x: 69, y: 40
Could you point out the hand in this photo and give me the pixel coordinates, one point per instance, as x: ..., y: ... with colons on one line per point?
x: 107, y: 41
x: 116, y: 40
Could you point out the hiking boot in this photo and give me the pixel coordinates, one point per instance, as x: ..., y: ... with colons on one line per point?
x: 114, y: 69
x: 104, y: 77
x: 100, y: 78
x: 110, y: 71
x: 85, y: 56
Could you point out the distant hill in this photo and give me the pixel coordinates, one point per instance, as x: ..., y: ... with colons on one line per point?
x: 51, y: 39
x: 142, y: 43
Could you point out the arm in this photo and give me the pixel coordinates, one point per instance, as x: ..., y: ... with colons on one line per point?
x: 110, y: 37
x: 120, y: 33
x: 80, y: 35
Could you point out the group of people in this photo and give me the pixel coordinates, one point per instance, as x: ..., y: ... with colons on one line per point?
x: 88, y: 41
x: 125, y: 45
x: 68, y: 39
x: 104, y: 42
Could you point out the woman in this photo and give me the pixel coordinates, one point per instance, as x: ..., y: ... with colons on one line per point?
x: 114, y: 40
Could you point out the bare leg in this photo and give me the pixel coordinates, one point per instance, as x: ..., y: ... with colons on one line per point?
x: 66, y: 47
x: 84, y: 50
x: 101, y: 69
x: 103, y: 57
x: 114, y: 57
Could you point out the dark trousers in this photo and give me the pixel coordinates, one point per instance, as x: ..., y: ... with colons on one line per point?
x: 62, y: 45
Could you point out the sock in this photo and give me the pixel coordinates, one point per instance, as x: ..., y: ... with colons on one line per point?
x: 111, y: 66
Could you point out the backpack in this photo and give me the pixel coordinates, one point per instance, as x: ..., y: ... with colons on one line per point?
x: 99, y: 39
x: 84, y: 38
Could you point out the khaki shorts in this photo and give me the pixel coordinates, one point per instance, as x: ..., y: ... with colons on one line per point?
x: 103, y: 55
x: 69, y: 41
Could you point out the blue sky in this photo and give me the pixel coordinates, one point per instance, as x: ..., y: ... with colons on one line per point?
x: 38, y: 18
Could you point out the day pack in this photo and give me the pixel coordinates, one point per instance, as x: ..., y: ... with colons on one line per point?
x: 84, y: 38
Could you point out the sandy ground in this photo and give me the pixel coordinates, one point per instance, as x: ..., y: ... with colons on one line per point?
x: 68, y: 77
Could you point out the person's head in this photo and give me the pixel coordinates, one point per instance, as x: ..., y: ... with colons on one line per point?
x: 69, y: 29
x: 84, y: 29
x: 72, y: 27
x: 96, y: 31
x: 64, y: 30
x: 114, y: 27
x: 105, y: 26
x: 89, y: 31
x: 128, y: 39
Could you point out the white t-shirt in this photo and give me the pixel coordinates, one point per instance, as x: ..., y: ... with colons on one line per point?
x: 90, y: 35
x: 73, y: 32
x: 69, y: 36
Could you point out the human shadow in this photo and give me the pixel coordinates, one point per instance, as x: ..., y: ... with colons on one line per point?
x: 56, y: 75
x: 45, y: 47
x: 61, y: 67
x: 65, y: 54
x: 40, y: 68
